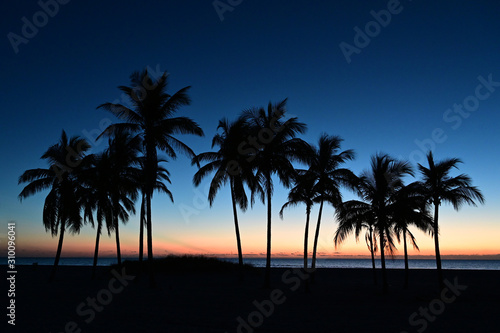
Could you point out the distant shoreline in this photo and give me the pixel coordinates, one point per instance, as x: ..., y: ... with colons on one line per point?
x: 353, y: 257
x: 414, y: 263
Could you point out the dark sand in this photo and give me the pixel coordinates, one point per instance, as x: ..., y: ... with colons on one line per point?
x: 341, y: 300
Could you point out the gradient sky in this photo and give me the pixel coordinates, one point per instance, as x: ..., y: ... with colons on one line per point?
x: 396, y: 91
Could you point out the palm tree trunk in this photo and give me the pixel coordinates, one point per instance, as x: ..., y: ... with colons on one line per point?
x: 436, y: 244
x: 96, y: 251
x: 267, y: 281
x: 142, y: 223
x: 372, y: 251
x: 237, y: 230
x: 152, y: 283
x: 316, y: 237
x: 117, y: 237
x: 306, y: 235
x: 141, y: 229
x: 385, y: 286
x: 406, y: 259
x: 151, y: 170
x: 59, y: 249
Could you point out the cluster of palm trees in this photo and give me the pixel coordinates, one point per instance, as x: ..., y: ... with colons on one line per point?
x: 106, y: 185
x: 260, y: 146
x: 260, y: 143
x: 388, y: 207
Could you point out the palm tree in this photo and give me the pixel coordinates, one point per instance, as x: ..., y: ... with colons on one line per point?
x: 409, y: 208
x: 124, y: 179
x: 442, y: 188
x: 354, y: 216
x: 325, y: 165
x: 229, y: 165
x: 113, y: 182
x: 302, y: 192
x: 377, y: 188
x: 96, y: 197
x: 152, y: 118
x: 271, y: 149
x: 371, y: 243
x: 63, y: 203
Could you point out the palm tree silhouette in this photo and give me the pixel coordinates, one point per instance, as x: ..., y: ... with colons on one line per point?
x: 302, y: 192
x: 409, y: 208
x: 229, y: 164
x: 63, y: 203
x: 442, y: 188
x: 124, y: 183
x: 152, y: 118
x: 272, y: 148
x: 377, y: 188
x: 113, y: 183
x: 96, y: 198
x: 354, y: 216
x: 325, y: 165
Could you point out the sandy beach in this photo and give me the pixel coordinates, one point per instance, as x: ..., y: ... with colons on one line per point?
x: 340, y: 300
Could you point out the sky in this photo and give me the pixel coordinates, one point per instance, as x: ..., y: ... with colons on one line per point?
x: 387, y: 76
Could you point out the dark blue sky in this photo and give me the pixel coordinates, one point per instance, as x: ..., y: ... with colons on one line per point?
x: 395, y: 91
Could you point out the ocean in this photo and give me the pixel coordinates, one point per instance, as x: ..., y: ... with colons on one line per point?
x: 294, y: 262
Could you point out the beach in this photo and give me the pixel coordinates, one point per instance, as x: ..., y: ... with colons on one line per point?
x: 340, y: 300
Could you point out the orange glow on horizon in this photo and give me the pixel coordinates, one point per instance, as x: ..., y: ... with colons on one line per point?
x: 162, y: 248
x: 455, y: 240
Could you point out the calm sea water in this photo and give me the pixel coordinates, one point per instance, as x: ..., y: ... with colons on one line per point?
x: 295, y: 262
x: 367, y: 263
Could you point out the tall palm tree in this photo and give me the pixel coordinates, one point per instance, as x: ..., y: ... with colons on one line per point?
x: 371, y: 243
x: 377, y: 188
x: 124, y: 181
x: 409, y: 208
x: 325, y: 165
x: 96, y: 198
x: 272, y: 148
x: 151, y: 116
x: 63, y: 203
x: 354, y: 216
x: 443, y: 188
x: 302, y: 192
x: 229, y: 165
x: 113, y: 181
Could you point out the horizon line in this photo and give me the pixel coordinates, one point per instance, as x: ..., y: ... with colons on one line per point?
x: 257, y: 256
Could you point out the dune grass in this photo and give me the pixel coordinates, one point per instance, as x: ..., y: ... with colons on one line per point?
x: 186, y: 263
